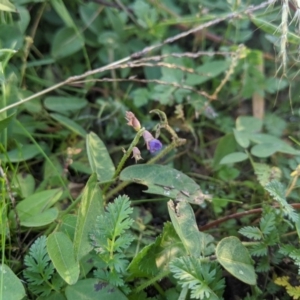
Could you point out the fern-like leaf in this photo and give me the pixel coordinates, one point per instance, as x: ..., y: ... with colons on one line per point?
x: 277, y: 191
x: 39, y: 269
x: 251, y: 233
x: 267, y: 223
x: 110, y: 240
x: 202, y: 278
x: 259, y: 249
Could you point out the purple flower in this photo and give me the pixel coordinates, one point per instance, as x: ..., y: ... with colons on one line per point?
x: 155, y: 145
x: 152, y: 144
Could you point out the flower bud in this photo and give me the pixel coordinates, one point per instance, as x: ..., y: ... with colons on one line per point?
x: 132, y: 121
x: 136, y: 154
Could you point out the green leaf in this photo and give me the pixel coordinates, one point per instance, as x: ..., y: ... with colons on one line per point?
x: 44, y: 218
x: 22, y: 153
x: 64, y: 104
x: 184, y: 222
x: 248, y: 124
x: 233, y: 158
x: 70, y: 124
x: 226, y: 145
x: 235, y: 258
x: 251, y: 233
x: 66, y: 42
x: 275, y: 30
x: 60, y: 249
x: 68, y: 225
x: 25, y: 183
x: 111, y: 226
x: 155, y: 257
x: 37, y: 203
x: 99, y: 158
x: 207, y: 71
x: 91, y: 289
x: 12, y: 287
x: 5, y: 122
x: 241, y: 138
x: 90, y: 207
x: 267, y: 223
x: 265, y: 173
x: 166, y: 181
x: 5, y: 5
x: 277, y: 191
x: 202, y: 278
x: 264, y: 150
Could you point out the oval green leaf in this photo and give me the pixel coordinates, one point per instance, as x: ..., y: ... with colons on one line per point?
x: 12, y: 288
x: 42, y: 219
x: 233, y: 158
x: 166, y: 181
x: 64, y: 104
x: 37, y: 203
x: 70, y: 124
x: 248, y: 124
x: 265, y: 149
x: 60, y: 249
x: 99, y: 158
x: 241, y: 138
x: 21, y: 153
x: 235, y: 258
x: 184, y: 222
x: 66, y: 42
x: 91, y: 289
x: 90, y: 207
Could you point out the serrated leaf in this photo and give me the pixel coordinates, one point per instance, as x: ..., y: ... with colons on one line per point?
x: 184, y: 222
x: 12, y: 287
x: 70, y: 124
x: 90, y: 207
x: 166, y: 181
x: 277, y: 191
x: 99, y: 158
x: 233, y: 158
x: 267, y: 223
x: 251, y: 232
x: 235, y: 258
x: 266, y: 173
x: 60, y: 249
x: 202, y: 278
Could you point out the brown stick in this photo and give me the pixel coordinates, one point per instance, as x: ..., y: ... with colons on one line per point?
x: 238, y: 216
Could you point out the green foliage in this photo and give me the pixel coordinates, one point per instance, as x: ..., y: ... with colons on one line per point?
x: 69, y: 72
x: 203, y: 278
x: 39, y: 272
x: 277, y: 191
x: 110, y: 240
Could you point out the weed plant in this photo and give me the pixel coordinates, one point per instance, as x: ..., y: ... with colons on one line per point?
x: 149, y: 150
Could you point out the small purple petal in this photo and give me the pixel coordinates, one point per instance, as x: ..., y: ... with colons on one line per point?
x: 155, y: 145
